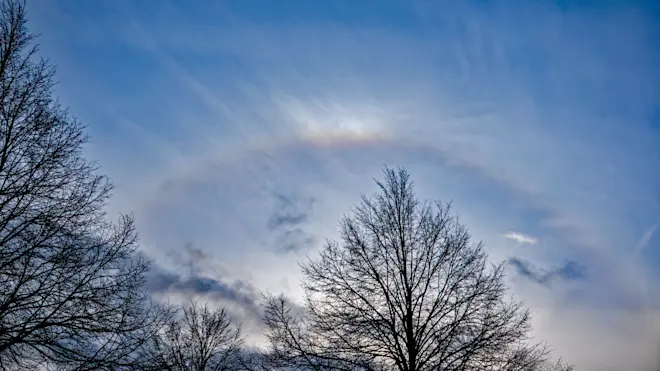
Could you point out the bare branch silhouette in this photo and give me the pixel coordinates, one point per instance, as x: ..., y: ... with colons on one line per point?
x: 404, y: 290
x: 202, y: 340
x: 71, y: 288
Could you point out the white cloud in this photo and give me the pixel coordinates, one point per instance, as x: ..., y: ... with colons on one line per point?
x: 521, y: 238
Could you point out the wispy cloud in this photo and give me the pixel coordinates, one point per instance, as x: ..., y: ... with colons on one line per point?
x: 644, y: 241
x: 521, y: 238
x: 287, y: 221
x: 238, y: 292
x: 569, y: 270
x: 193, y: 272
x: 289, y: 212
x: 295, y: 240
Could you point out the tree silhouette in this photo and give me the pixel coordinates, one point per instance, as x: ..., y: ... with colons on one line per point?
x: 404, y: 290
x: 202, y: 340
x: 71, y: 288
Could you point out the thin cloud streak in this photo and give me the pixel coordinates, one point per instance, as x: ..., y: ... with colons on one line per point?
x: 643, y: 241
x: 521, y: 238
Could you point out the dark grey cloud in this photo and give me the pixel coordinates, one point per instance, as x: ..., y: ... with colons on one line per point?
x: 241, y: 300
x: 244, y: 294
x: 287, y: 220
x: 568, y: 271
x: 294, y: 240
x: 571, y: 270
x: 195, y: 274
x: 523, y: 268
x: 290, y: 211
x: 194, y: 253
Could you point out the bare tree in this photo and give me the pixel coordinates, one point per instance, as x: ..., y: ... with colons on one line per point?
x: 405, y: 290
x: 71, y: 288
x: 202, y: 340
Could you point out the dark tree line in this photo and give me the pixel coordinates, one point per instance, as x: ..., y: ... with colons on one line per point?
x: 404, y: 289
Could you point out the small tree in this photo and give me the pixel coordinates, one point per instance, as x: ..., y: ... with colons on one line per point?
x: 71, y: 289
x: 202, y: 340
x: 404, y: 290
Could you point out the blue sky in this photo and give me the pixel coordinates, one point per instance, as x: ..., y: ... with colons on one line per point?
x: 239, y: 132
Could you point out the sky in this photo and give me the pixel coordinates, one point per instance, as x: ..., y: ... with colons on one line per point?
x: 239, y: 132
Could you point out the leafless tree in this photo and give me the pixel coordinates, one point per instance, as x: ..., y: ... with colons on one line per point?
x: 405, y: 290
x: 203, y: 339
x: 71, y: 288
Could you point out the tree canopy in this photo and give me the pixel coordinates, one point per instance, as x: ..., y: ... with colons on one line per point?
x: 71, y: 286
x: 404, y: 289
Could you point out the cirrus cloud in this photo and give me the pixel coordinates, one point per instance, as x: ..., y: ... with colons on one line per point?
x: 521, y: 238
